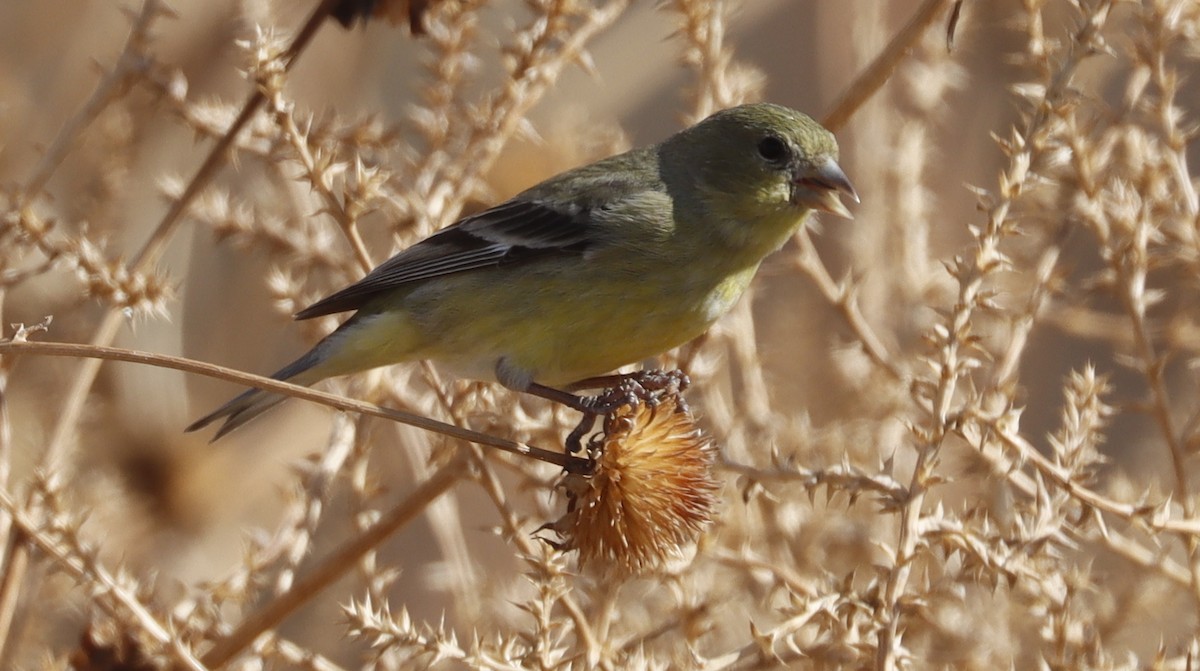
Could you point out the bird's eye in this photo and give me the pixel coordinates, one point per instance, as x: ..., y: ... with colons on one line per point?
x: 773, y: 149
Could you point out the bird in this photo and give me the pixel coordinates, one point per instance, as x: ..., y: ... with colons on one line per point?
x: 601, y: 266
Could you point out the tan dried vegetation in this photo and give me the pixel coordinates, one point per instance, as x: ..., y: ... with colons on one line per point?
x: 959, y: 432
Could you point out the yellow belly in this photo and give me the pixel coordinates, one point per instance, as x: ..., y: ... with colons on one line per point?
x: 568, y: 328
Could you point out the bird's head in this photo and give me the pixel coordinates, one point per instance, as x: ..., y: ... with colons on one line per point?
x: 761, y: 157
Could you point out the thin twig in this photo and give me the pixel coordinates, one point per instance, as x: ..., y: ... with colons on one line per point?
x: 880, y: 70
x: 78, y: 350
x: 1142, y: 514
x: 843, y: 297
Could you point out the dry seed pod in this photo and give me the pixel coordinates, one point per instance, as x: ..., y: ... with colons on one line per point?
x: 650, y: 494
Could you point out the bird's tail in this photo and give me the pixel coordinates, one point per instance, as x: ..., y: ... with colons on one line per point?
x: 254, y: 402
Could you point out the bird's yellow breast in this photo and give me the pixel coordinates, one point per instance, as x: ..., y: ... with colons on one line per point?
x: 572, y: 326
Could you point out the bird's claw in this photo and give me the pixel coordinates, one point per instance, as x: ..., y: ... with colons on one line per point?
x: 633, y: 389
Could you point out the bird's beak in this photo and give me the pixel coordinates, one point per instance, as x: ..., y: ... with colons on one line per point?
x: 822, y: 186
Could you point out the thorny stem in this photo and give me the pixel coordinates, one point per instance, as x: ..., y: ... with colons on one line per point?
x: 950, y: 363
x: 490, y: 483
x: 1137, y: 515
x: 295, y: 536
x: 447, y: 68
x: 1152, y: 366
x: 845, y: 477
x: 299, y: 142
x: 1006, y: 369
x: 761, y: 652
x: 77, y: 567
x: 1140, y: 514
x: 843, y: 297
x: 495, y: 491
x: 1168, y: 81
x: 1005, y: 373
x: 1116, y: 541
x: 906, y: 545
x: 1152, y: 363
x: 334, y: 566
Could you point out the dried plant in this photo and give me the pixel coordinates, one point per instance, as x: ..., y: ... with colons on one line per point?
x: 959, y: 432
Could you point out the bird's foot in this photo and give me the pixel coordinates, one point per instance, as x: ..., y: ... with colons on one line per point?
x: 628, y: 389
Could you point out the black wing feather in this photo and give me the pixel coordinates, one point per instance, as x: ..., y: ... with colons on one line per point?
x: 512, y: 232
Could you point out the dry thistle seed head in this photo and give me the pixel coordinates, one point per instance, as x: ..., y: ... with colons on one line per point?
x: 650, y: 494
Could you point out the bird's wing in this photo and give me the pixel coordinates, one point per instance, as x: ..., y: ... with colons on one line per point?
x: 512, y: 232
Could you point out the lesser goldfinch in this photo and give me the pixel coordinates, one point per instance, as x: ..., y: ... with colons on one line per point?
x: 601, y: 266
